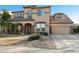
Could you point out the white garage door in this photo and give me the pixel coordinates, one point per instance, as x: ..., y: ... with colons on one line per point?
x: 61, y: 30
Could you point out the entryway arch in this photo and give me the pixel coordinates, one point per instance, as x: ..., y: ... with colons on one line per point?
x: 28, y: 28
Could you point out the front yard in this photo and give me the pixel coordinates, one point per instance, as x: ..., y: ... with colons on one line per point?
x: 63, y: 43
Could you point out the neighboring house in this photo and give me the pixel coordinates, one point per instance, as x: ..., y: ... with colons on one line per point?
x: 61, y: 24
x: 31, y: 19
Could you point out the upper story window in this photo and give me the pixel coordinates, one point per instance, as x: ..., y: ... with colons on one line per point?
x: 29, y: 14
x: 58, y: 16
x: 41, y: 12
x: 19, y: 16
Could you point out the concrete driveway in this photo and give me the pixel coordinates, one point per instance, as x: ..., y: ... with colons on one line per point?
x: 66, y: 43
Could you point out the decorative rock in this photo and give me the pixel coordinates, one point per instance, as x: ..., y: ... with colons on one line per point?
x: 41, y: 43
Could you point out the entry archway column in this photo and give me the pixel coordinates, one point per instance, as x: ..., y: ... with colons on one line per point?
x: 23, y: 28
x: 32, y: 29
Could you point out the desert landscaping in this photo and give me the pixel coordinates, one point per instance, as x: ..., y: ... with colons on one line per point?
x: 49, y: 44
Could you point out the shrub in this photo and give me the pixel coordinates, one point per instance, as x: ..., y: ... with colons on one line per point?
x: 78, y: 29
x: 75, y: 30
x: 44, y: 33
x: 34, y: 37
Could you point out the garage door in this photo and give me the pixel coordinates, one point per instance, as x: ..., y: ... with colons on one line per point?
x: 61, y: 30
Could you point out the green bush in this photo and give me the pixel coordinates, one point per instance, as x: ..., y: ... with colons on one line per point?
x: 78, y: 29
x: 75, y: 30
x: 44, y: 33
x: 34, y: 37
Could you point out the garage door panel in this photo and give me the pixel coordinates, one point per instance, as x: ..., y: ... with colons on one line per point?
x: 61, y: 30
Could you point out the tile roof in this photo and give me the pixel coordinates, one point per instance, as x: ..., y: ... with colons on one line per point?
x: 36, y: 6
x: 66, y: 20
x: 17, y: 11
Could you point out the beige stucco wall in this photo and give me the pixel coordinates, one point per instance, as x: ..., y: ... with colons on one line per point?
x: 44, y: 18
x: 24, y: 22
x: 35, y: 16
x: 26, y: 10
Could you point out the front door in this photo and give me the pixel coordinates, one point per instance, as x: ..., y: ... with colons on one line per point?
x: 27, y: 29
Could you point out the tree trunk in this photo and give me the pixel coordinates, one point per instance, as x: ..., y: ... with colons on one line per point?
x: 5, y: 30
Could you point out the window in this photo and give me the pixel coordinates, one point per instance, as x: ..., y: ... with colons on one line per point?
x: 29, y: 14
x: 58, y: 17
x: 15, y: 15
x: 43, y: 27
x: 19, y: 16
x: 40, y: 27
x: 40, y: 12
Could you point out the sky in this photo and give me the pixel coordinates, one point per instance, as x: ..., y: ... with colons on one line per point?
x: 72, y: 11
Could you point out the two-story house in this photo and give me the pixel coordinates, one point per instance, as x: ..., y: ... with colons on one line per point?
x: 31, y: 19
x: 39, y: 19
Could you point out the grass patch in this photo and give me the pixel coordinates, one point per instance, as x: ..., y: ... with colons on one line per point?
x: 8, y: 42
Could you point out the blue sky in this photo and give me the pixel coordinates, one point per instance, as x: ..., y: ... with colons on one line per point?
x: 71, y: 10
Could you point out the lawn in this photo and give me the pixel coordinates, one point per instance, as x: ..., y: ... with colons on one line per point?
x: 8, y: 42
x: 11, y: 39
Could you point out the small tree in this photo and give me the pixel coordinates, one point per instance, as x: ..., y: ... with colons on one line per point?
x: 5, y: 19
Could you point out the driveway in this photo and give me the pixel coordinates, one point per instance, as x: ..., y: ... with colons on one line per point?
x: 66, y: 43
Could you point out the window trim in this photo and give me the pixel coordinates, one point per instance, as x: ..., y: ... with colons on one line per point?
x: 58, y: 16
x: 19, y: 15
x: 40, y: 28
